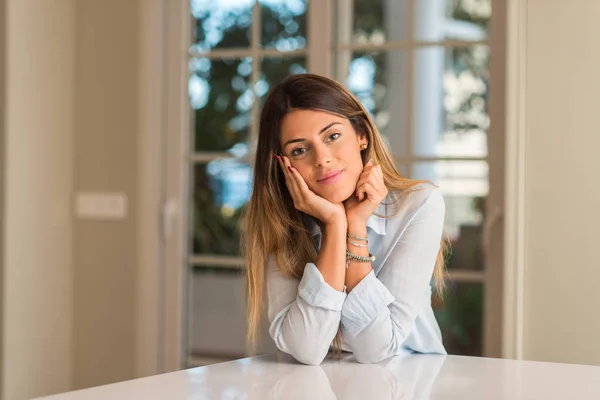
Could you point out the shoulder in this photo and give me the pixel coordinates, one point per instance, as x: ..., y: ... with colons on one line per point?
x: 421, y: 205
x: 422, y: 198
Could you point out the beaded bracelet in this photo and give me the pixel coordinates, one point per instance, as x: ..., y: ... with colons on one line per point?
x: 350, y: 236
x: 360, y: 259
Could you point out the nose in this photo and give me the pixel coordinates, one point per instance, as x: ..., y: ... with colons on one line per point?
x: 322, y: 155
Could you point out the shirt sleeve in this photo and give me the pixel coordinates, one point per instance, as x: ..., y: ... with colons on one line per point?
x: 380, y: 312
x: 304, y: 316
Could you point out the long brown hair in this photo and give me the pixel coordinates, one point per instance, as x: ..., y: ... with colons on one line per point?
x: 271, y: 225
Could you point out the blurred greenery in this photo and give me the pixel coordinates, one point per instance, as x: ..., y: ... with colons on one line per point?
x: 221, y: 96
x: 368, y: 18
x: 215, y: 229
x: 222, y: 121
x: 460, y: 318
x: 284, y: 24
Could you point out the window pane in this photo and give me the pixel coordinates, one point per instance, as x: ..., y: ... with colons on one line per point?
x: 274, y: 70
x: 221, y: 189
x: 450, y: 115
x: 284, y: 24
x: 217, y: 329
x: 221, y: 99
x: 464, y: 20
x: 373, y: 21
x: 460, y: 316
x: 221, y: 24
x: 379, y: 80
x: 465, y: 186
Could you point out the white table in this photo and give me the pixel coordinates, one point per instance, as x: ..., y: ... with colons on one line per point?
x: 407, y: 377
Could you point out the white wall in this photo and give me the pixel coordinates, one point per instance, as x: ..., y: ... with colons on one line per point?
x: 105, y: 160
x: 562, y: 191
x: 68, y: 285
x: 37, y: 258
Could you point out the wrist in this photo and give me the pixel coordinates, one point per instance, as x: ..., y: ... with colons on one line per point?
x: 357, y: 228
x: 336, y: 224
x: 335, y: 219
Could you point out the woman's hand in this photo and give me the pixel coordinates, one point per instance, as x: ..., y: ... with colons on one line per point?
x: 306, y: 200
x: 370, y: 192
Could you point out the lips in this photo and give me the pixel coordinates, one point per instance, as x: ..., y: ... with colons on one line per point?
x: 330, y: 177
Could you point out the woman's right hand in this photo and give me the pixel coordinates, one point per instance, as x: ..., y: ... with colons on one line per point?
x: 306, y: 200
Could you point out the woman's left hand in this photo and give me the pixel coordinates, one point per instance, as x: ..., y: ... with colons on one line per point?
x: 370, y: 192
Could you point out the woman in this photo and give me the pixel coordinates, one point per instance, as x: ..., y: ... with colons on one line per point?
x: 345, y: 245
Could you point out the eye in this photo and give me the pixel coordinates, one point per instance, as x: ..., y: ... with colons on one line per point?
x: 333, y: 136
x: 298, y: 152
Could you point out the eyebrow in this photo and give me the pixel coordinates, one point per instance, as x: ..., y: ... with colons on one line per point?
x: 320, y: 132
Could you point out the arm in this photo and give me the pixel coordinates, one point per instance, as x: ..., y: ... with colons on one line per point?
x: 371, y: 188
x: 357, y: 271
x: 304, y: 316
x: 380, y: 312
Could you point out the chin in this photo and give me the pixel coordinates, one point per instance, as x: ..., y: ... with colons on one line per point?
x: 339, y: 195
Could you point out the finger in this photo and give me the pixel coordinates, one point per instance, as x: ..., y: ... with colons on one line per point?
x: 375, y: 177
x: 367, y: 191
x: 289, y: 181
x: 378, y: 172
x: 367, y: 170
x: 368, y: 167
x: 287, y: 170
x: 281, y: 163
x: 366, y: 178
x: 301, y: 190
x: 379, y: 190
x: 299, y: 181
x: 285, y: 165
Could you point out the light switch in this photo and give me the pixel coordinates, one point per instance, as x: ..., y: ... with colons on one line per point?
x: 101, y: 206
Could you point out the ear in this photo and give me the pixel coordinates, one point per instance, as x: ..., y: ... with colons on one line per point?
x: 363, y: 141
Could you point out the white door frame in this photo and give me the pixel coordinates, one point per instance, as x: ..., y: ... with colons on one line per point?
x: 514, y: 234
x: 149, y: 360
x: 2, y: 181
x: 493, y: 228
x: 162, y: 187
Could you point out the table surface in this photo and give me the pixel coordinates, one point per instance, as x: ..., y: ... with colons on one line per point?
x: 278, y: 376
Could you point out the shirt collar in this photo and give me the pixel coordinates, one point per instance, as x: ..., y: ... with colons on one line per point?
x: 377, y: 221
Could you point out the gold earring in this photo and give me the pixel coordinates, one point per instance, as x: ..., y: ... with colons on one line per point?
x: 363, y: 146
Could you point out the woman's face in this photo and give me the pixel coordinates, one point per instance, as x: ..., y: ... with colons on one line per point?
x: 325, y: 149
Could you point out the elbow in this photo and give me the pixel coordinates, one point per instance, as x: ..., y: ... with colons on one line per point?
x: 310, y: 359
x: 301, y: 348
x: 307, y: 354
x: 370, y: 358
x: 375, y: 354
x: 375, y: 348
